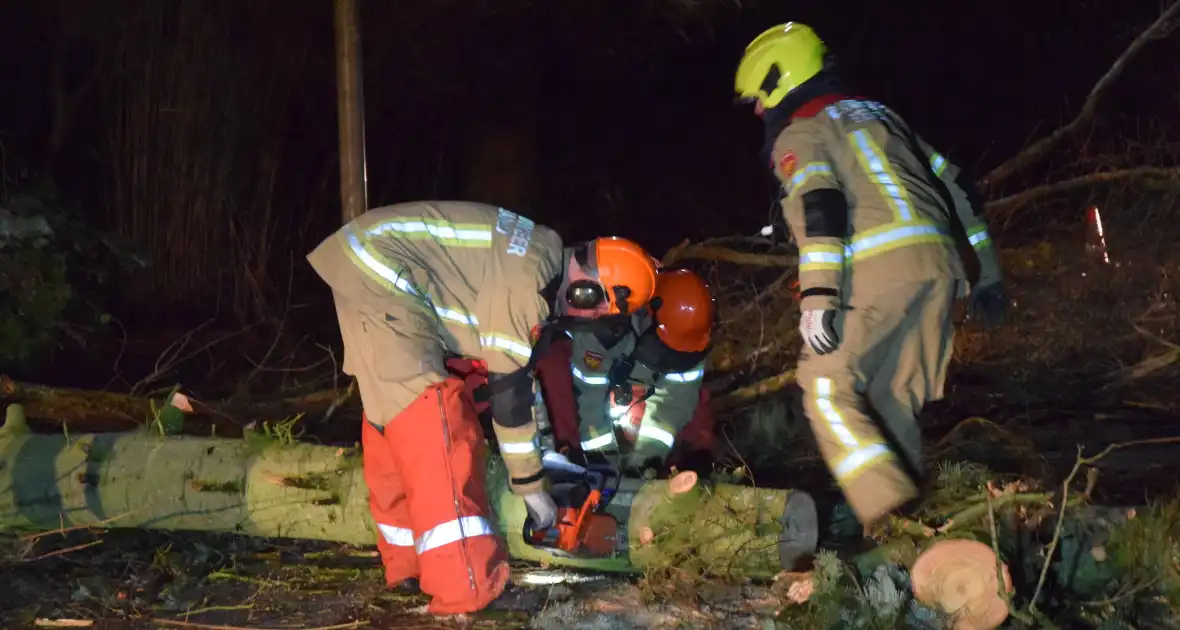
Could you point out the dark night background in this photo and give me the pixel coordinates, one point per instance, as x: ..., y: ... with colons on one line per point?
x: 203, y: 133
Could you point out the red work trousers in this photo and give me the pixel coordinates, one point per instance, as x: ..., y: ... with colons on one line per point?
x: 425, y: 471
x: 557, y: 387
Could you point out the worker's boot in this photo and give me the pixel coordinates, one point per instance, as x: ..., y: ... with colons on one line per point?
x: 408, y: 587
x: 518, y: 599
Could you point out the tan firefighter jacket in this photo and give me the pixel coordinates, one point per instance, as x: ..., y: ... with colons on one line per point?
x: 475, y: 269
x: 669, y: 407
x: 898, y: 194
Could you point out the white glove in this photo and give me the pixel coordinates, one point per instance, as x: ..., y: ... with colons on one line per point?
x: 818, y: 329
x: 541, y: 509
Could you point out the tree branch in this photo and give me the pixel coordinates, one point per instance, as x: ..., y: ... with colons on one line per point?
x: 1014, y: 201
x: 1041, y: 148
x: 704, y: 251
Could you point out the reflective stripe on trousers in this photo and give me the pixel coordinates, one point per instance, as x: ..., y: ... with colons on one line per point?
x: 442, y: 535
x: 857, y: 454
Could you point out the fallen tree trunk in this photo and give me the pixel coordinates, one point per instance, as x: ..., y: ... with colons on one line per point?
x: 88, y: 410
x: 261, y: 486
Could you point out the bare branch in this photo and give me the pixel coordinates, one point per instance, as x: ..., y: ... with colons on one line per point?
x: 1041, y: 148
x: 1012, y: 202
x: 704, y: 251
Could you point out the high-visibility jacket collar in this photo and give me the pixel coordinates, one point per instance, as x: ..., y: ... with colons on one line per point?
x: 817, y: 104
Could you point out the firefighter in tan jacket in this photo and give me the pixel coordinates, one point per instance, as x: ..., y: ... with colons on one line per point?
x: 428, y: 293
x: 876, y: 212
x: 634, y: 394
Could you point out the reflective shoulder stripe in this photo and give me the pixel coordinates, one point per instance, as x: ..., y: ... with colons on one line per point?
x: 456, y: 316
x: 601, y: 442
x: 879, y: 171
x: 588, y: 379
x: 811, y: 169
x: 657, y: 433
x: 396, y: 536
x: 507, y: 345
x: 452, y: 532
x: 445, y: 232
x: 380, y: 270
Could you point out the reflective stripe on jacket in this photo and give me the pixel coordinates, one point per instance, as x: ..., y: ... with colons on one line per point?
x: 478, y: 268
x: 898, y: 225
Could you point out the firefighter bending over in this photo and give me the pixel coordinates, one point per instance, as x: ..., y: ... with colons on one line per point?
x: 426, y: 293
x: 634, y: 393
x: 873, y: 208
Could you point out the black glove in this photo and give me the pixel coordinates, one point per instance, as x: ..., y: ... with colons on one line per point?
x: 989, y: 303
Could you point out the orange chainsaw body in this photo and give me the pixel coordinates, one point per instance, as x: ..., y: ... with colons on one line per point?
x: 580, y: 530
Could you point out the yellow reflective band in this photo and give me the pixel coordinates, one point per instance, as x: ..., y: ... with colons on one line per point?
x: 823, y: 401
x: 812, y: 169
x: 375, y: 267
x: 588, y: 379
x: 657, y: 433
x: 979, y: 238
x: 507, y: 345
x: 937, y: 163
x: 851, y: 465
x: 456, y: 316
x: 893, y: 236
x: 454, y: 531
x: 821, y: 258
x: 445, y: 232
x: 396, y: 536
x: 872, y: 160
x: 519, y: 448
x: 857, y: 454
x: 599, y: 443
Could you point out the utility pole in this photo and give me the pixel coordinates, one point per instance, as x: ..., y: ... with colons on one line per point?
x: 350, y: 105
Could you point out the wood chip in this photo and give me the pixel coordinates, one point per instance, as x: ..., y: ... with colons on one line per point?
x: 63, y: 623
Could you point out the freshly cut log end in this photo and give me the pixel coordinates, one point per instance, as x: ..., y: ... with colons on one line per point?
x: 682, y: 483
x: 959, y: 578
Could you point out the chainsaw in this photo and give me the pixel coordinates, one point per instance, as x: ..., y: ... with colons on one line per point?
x: 583, y: 529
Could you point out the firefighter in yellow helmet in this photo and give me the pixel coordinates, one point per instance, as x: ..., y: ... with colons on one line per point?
x: 877, y: 214
x: 432, y: 298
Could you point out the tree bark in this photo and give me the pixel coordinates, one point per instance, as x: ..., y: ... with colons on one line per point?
x: 263, y: 487
x: 88, y: 410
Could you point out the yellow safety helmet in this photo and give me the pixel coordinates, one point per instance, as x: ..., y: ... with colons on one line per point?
x: 793, y: 49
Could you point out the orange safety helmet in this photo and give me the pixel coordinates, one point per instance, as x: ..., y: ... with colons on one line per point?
x: 685, y: 311
x: 624, y: 273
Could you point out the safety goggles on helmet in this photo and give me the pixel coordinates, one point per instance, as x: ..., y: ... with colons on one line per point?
x: 621, y: 275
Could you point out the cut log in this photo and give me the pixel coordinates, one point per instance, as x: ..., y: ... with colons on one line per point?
x: 87, y: 410
x: 262, y: 487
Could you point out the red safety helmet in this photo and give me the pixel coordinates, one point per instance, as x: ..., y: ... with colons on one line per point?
x: 624, y: 276
x: 684, y: 310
